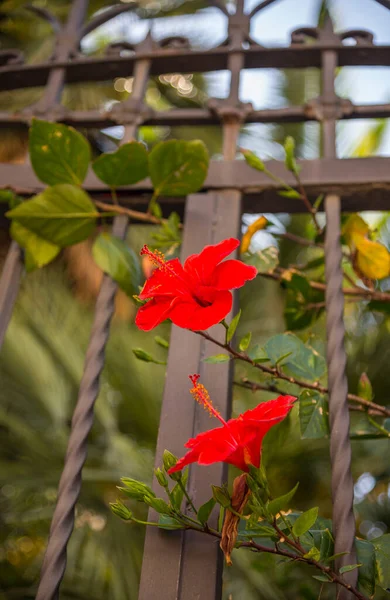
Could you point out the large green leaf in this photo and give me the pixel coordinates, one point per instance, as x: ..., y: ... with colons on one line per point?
x: 37, y: 251
x: 119, y: 261
x: 282, y: 503
x: 305, y: 521
x: 126, y: 166
x: 313, y: 414
x: 382, y: 559
x: 59, y: 154
x: 299, y: 360
x: 366, y: 557
x: 63, y: 215
x: 177, y: 167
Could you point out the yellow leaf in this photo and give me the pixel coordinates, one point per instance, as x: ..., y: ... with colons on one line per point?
x: 257, y: 225
x: 354, y: 230
x: 372, y: 259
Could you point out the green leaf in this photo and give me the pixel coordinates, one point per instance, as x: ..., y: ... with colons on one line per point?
x: 169, y: 523
x: 244, y: 342
x: 365, y: 555
x: 177, y: 493
x: 281, y: 503
x: 161, y: 341
x: 38, y: 252
x: 265, y: 260
x: 347, y: 568
x: 119, y: 261
x: 257, y: 354
x: 290, y: 194
x: 365, y: 388
x: 233, y: 326
x: 313, y: 415
x: 382, y: 560
x: 299, y: 311
x: 305, y: 521
x: 63, y: 215
x: 205, y: 510
x: 125, y: 166
x: 313, y: 553
x: 217, y: 358
x: 318, y: 201
x: 378, y: 306
x: 178, y: 167
x: 59, y: 154
x: 6, y: 196
x: 322, y: 578
x: 156, y: 210
x: 146, y: 357
x: 290, y: 162
x: 303, y: 362
x: 252, y: 160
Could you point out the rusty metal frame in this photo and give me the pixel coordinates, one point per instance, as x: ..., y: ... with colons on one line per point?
x: 215, y: 213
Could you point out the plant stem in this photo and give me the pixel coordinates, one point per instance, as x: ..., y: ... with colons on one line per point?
x: 114, y: 197
x: 135, y: 214
x: 279, y: 375
x: 379, y: 427
x: 182, y: 486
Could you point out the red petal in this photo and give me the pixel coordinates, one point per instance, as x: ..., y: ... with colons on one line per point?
x: 153, y: 313
x: 164, y: 282
x: 187, y: 313
x: 201, y: 266
x: 207, y: 448
x: 272, y: 410
x: 232, y: 274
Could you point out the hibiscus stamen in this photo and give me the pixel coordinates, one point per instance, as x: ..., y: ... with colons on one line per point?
x: 156, y: 257
x: 202, y: 396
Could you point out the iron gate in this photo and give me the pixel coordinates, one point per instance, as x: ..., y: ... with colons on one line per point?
x: 213, y: 214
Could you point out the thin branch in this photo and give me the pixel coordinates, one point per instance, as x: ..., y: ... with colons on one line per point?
x: 316, y: 285
x: 134, y: 214
x: 277, y: 374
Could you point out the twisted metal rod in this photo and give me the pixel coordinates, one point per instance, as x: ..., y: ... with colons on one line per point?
x: 340, y: 446
x: 9, y: 286
x: 54, y: 563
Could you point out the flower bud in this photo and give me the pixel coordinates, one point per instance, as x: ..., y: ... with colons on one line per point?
x: 136, y: 489
x: 161, y: 478
x: 365, y: 388
x: 221, y: 496
x: 120, y: 510
x: 158, y: 504
x: 169, y: 461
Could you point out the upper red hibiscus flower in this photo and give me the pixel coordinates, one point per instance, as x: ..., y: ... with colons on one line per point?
x: 194, y: 295
x: 239, y: 441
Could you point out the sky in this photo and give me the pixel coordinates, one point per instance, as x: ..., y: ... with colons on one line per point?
x: 273, y: 26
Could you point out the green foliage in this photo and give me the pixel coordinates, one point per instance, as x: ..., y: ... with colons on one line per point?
x: 382, y: 560
x: 217, y: 358
x: 313, y: 414
x: 37, y: 251
x: 178, y: 168
x: 303, y: 303
x: 305, y: 521
x: 168, y: 237
x: 59, y: 154
x: 290, y: 162
x: 62, y: 214
x: 146, y: 357
x: 252, y: 160
x: 283, y: 502
x: 301, y: 361
x: 365, y: 552
x: 232, y: 327
x: 265, y: 260
x: 244, y: 342
x: 221, y: 496
x: 125, y: 166
x: 119, y: 261
x: 205, y: 510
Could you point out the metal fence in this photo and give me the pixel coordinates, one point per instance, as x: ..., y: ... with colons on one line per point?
x: 174, y: 565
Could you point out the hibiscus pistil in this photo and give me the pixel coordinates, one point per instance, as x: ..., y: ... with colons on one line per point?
x: 202, y: 396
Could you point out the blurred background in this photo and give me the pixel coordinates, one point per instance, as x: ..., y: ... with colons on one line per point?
x: 42, y: 358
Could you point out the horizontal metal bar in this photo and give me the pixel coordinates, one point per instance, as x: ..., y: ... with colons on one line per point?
x: 191, y: 61
x: 190, y: 116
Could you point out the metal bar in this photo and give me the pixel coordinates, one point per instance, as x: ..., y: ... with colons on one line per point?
x: 340, y: 446
x: 77, y: 70
x: 345, y: 176
x: 9, y: 286
x: 54, y: 563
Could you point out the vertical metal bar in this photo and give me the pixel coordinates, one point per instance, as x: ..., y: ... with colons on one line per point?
x: 9, y: 286
x: 340, y: 446
x: 54, y: 563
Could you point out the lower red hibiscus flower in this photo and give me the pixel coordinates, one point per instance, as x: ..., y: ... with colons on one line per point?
x: 238, y: 441
x: 195, y: 295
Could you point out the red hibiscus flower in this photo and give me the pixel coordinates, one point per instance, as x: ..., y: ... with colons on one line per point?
x: 194, y: 295
x: 239, y: 441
